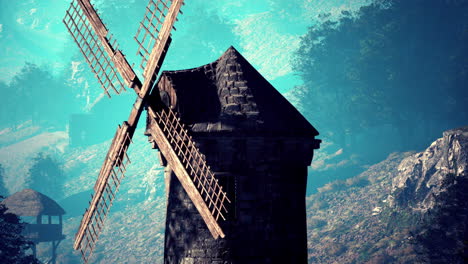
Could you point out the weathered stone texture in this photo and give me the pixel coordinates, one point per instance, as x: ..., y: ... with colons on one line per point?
x: 259, y: 147
x: 266, y: 220
x: 423, y: 176
x: 231, y: 95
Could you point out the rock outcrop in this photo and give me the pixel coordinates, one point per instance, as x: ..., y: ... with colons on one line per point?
x: 409, y: 208
x: 434, y: 183
x: 351, y: 221
x: 425, y: 178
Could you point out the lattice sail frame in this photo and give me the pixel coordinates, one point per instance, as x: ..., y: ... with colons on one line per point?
x: 150, y: 26
x: 89, y: 43
x: 190, y: 167
x: 105, y: 190
x: 194, y: 162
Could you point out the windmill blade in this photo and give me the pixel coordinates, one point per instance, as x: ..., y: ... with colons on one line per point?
x: 152, y: 29
x: 190, y: 167
x: 177, y: 147
x: 105, y: 60
x: 105, y: 189
x: 114, y: 166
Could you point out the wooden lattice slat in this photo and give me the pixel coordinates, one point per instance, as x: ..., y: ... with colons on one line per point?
x: 106, y: 187
x: 150, y: 26
x: 194, y: 162
x: 90, y: 46
x: 105, y: 60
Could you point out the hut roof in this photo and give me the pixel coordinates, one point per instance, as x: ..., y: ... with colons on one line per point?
x: 230, y: 95
x: 29, y: 202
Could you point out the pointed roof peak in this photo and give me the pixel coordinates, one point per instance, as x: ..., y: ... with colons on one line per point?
x: 230, y: 95
x: 232, y: 48
x: 231, y: 51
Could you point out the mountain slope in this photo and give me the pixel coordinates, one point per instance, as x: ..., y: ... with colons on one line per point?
x: 433, y: 184
x: 346, y: 219
x: 409, y: 208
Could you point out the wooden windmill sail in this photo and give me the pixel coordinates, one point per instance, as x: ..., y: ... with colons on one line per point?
x: 114, y: 73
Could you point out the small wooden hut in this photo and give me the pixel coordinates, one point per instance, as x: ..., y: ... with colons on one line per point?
x: 47, y: 215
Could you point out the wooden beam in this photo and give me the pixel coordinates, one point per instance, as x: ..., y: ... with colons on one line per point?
x: 154, y: 62
x: 111, y: 160
x: 127, y: 130
x: 179, y: 170
x: 93, y: 17
x: 120, y: 62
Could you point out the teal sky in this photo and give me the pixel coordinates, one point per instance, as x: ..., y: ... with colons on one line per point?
x: 266, y: 32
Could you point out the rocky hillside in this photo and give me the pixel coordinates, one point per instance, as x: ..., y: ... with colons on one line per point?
x: 410, y: 208
x: 434, y: 184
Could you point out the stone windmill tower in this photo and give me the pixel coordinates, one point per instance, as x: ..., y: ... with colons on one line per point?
x: 250, y: 204
x: 259, y: 147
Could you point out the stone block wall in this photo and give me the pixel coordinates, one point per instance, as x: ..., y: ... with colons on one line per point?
x: 266, y: 182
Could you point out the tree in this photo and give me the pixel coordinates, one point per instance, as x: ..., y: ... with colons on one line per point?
x: 13, y: 246
x: 6, y: 116
x: 35, y: 94
x: 46, y: 176
x: 3, y: 190
x: 400, y: 63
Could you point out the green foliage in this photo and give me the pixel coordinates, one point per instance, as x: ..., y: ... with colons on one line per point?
x: 13, y: 246
x: 34, y: 94
x: 46, y: 176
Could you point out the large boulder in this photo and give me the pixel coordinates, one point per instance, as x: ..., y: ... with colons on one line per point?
x: 424, y: 178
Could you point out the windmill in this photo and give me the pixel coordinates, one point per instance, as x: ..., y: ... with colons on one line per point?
x: 113, y: 72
